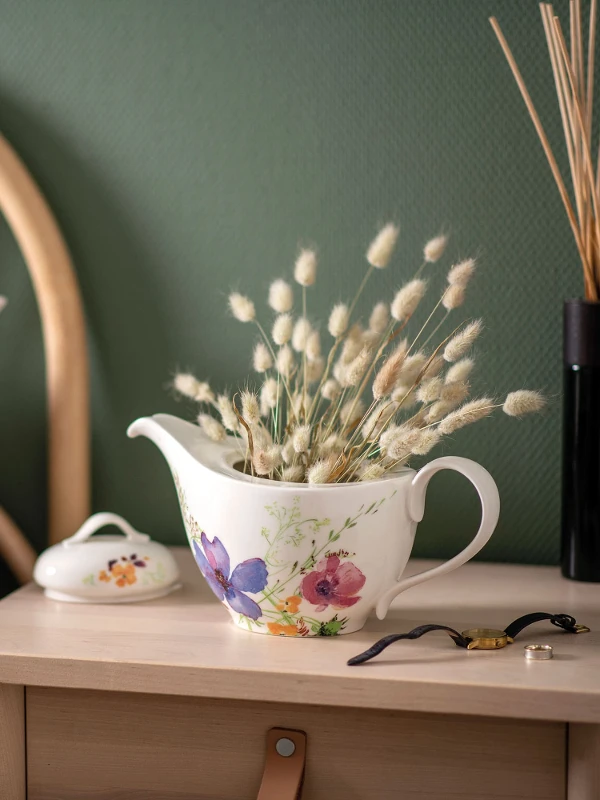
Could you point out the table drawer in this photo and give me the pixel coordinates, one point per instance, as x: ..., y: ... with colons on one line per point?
x: 91, y: 745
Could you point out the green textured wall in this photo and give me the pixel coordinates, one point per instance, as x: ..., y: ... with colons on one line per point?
x: 188, y: 146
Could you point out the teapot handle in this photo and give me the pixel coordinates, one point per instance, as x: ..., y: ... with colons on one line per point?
x: 101, y: 520
x: 490, y: 511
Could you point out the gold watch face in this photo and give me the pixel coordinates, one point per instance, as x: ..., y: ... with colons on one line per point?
x: 486, y: 638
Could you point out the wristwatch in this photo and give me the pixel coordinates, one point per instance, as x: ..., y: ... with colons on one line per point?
x: 475, y: 638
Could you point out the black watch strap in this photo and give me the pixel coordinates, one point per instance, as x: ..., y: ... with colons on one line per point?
x: 564, y: 621
x: 416, y: 633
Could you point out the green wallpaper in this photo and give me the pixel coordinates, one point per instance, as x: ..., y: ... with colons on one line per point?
x: 188, y: 146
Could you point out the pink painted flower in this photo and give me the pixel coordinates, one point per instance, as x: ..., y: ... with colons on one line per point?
x: 333, y: 584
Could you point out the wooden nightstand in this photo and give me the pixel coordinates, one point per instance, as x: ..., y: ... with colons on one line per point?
x: 166, y: 700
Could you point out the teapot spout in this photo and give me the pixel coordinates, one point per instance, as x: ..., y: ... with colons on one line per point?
x: 174, y: 437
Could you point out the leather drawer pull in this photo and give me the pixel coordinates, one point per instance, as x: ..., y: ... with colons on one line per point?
x: 284, y: 765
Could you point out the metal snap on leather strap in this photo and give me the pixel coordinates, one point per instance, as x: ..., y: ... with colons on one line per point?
x: 285, y: 761
x: 285, y: 747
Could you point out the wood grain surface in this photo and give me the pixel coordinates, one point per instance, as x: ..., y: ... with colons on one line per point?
x: 184, y: 645
x: 85, y: 745
x: 583, y: 762
x: 12, y: 742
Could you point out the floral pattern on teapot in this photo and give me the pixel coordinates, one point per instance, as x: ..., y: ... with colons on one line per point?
x: 286, y: 594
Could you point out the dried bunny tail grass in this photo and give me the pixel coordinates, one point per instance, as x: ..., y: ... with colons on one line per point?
x: 438, y: 410
x: 302, y: 330
x: 412, y: 368
x: 407, y: 299
x: 285, y: 361
x: 352, y: 412
x: 351, y: 349
x: 333, y: 445
x: 313, y: 346
x: 381, y: 248
x: 260, y: 435
x: 459, y: 372
x: 339, y: 371
x: 370, y: 471
x: 269, y: 395
x: 467, y: 414
x: 228, y: 415
x: 377, y: 420
x: 371, y: 339
x: 189, y: 386
x: 305, y: 269
x: 185, y: 384
x: 434, y: 249
x: 404, y: 396
x: 389, y: 373
x: 261, y: 358
x: 204, y: 394
x: 263, y: 462
x: 434, y: 367
x: 212, y: 427
x: 301, y: 403
x: 301, y: 438
x: 293, y: 473
x: 356, y: 368
x: 429, y: 391
x: 463, y: 341
x: 287, y: 452
x: 338, y: 320
x: 427, y: 441
x: 418, y: 419
x: 314, y: 370
x: 282, y: 329
x: 320, y: 472
x: 331, y: 389
x: 242, y: 307
x: 454, y: 393
x: 389, y: 435
x: 275, y: 453
x: 523, y: 401
x: 453, y: 297
x: 460, y: 274
x: 398, y: 441
x: 281, y: 297
x: 380, y: 318
x: 250, y: 408
x: 355, y: 333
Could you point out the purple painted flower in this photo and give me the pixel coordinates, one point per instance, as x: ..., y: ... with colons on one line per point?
x: 249, y: 576
x: 333, y: 584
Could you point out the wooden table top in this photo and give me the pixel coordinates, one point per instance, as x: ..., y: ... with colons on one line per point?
x: 184, y: 644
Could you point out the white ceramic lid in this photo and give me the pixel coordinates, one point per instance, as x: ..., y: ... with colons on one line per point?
x: 107, y: 568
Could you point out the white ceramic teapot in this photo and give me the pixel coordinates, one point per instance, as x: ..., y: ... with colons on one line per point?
x: 295, y: 559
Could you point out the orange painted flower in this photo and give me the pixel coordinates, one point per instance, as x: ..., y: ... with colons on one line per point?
x: 124, y: 574
x: 290, y: 605
x: 281, y: 630
x: 104, y: 576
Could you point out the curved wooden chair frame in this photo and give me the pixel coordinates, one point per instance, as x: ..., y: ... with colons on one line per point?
x: 63, y: 326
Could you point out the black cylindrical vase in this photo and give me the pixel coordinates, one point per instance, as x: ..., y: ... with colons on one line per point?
x: 580, y: 550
